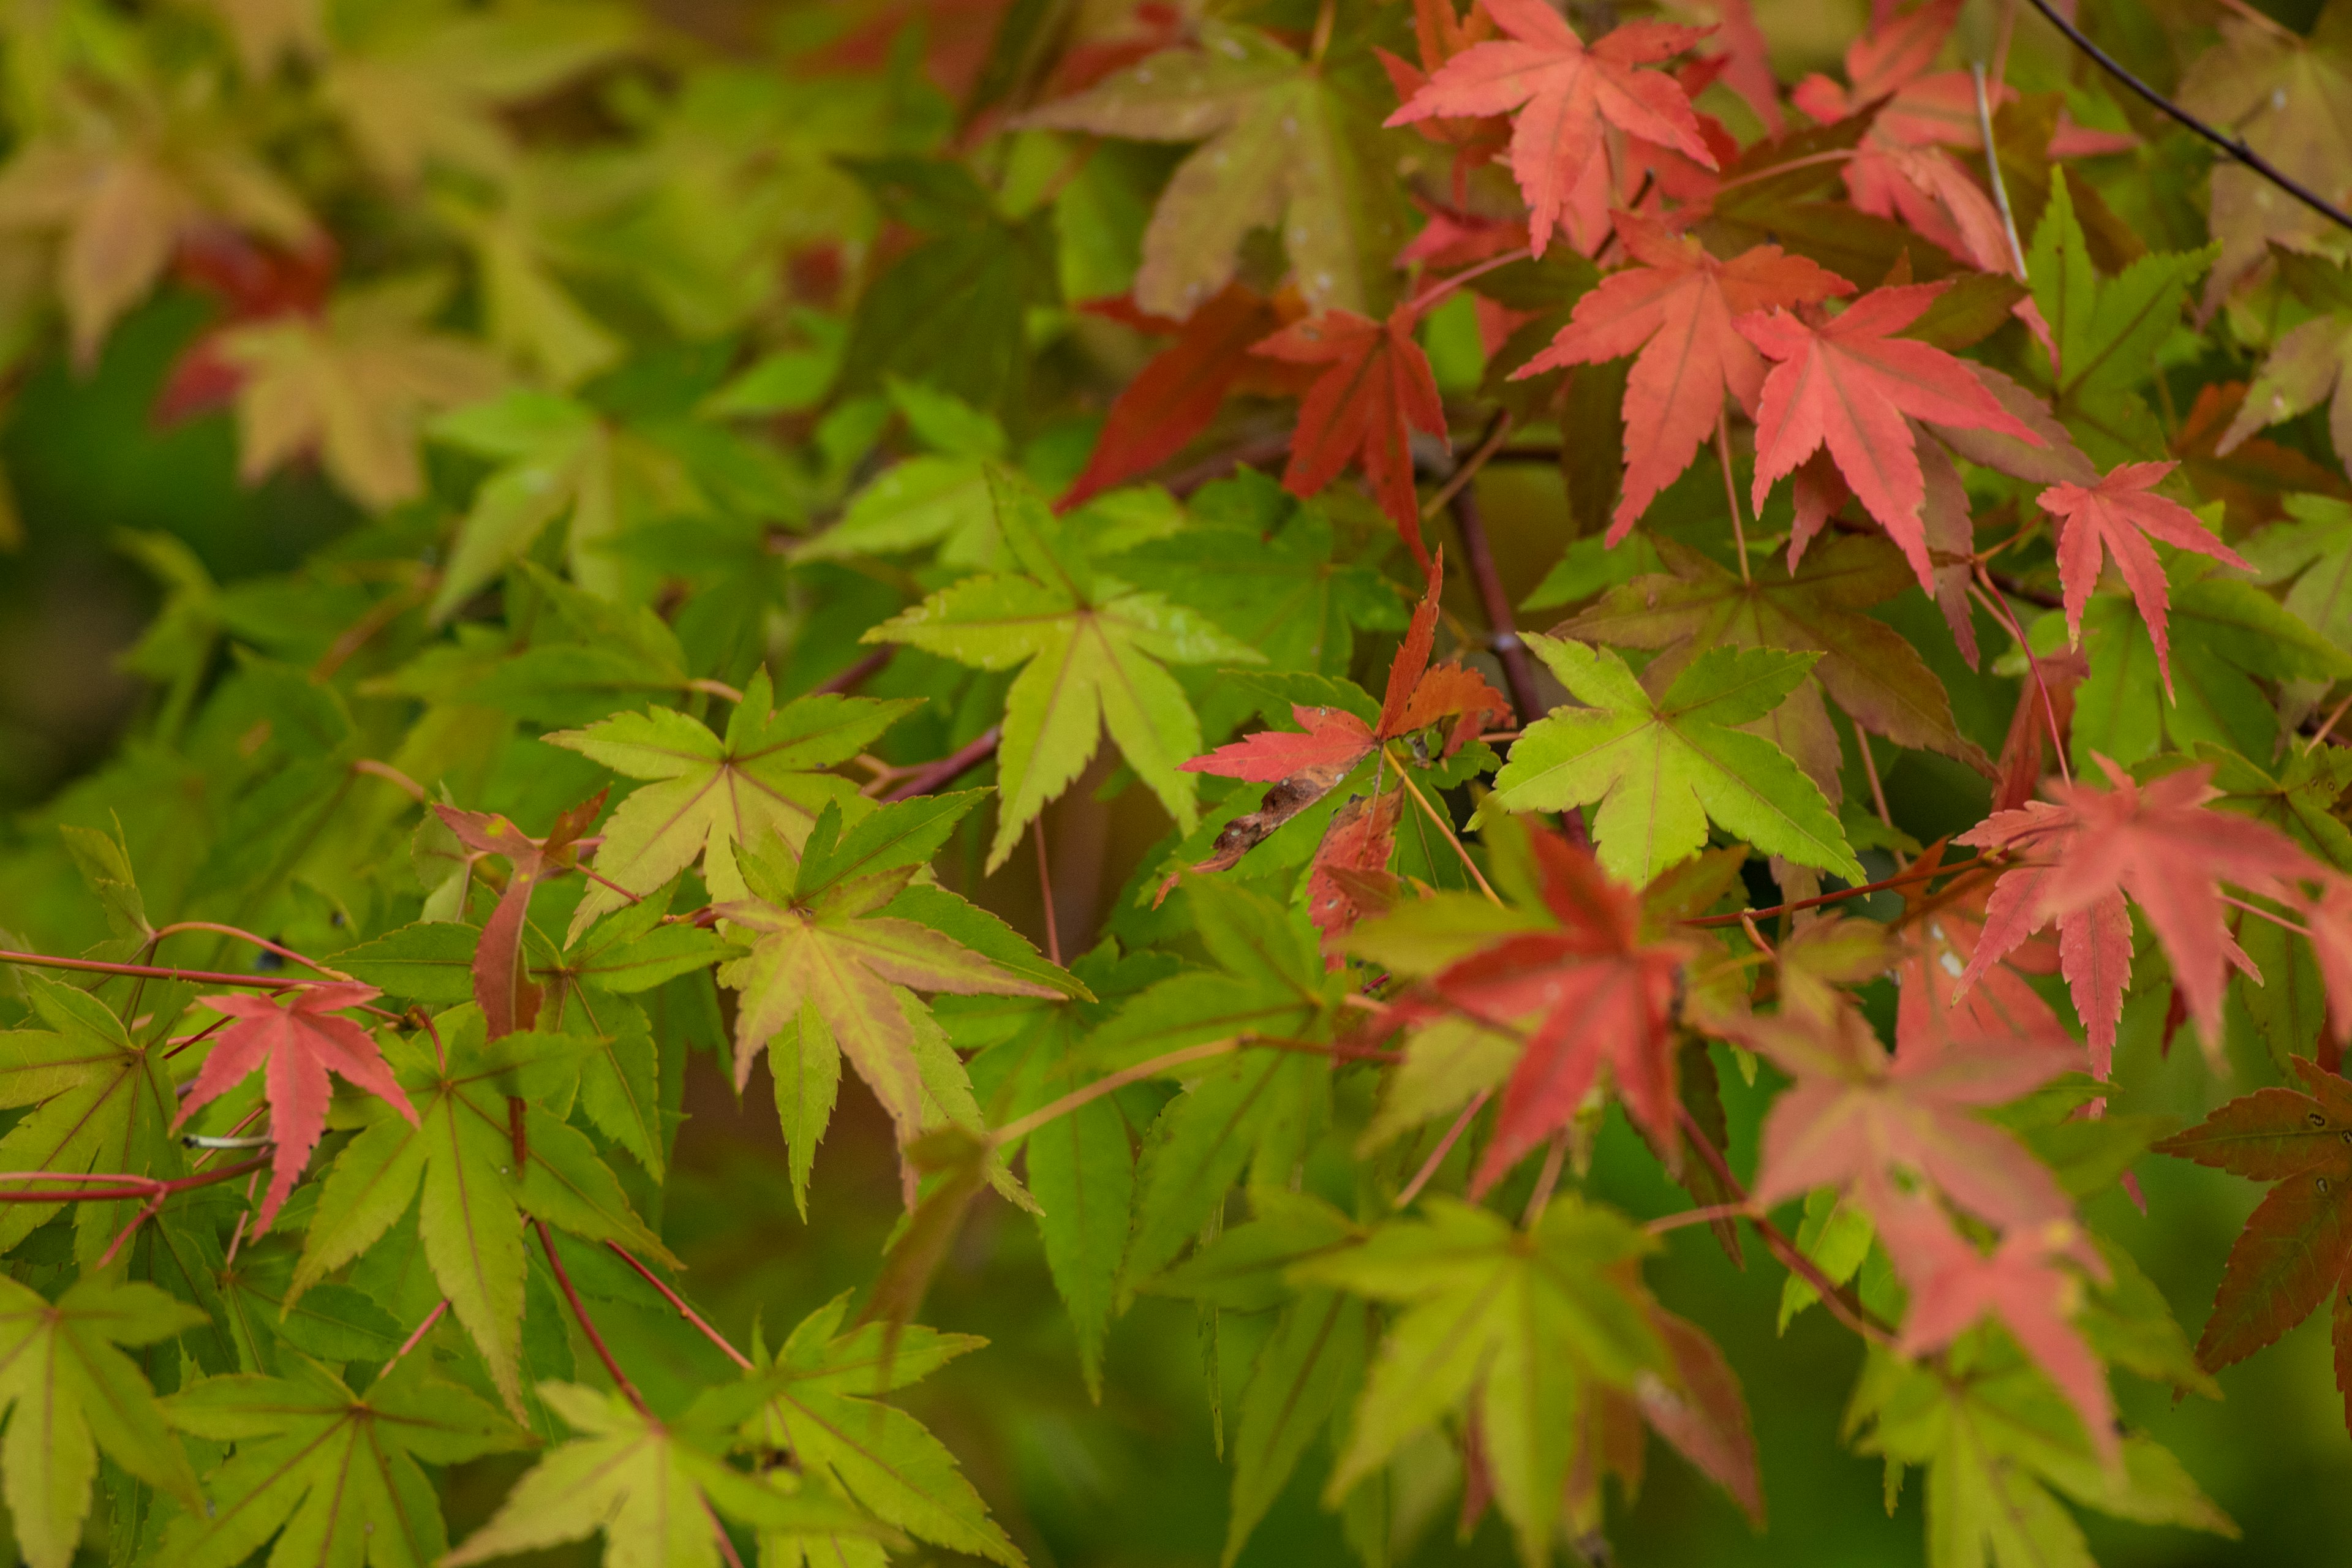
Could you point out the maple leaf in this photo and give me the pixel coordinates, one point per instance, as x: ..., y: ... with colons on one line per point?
x: 1305, y: 767
x: 818, y: 1399
x: 1595, y: 993
x: 2109, y: 520
x: 1854, y: 1116
x: 1875, y: 676
x: 1288, y: 146
x: 1440, y: 35
x: 1349, y: 877
x: 486, y: 1150
x: 296, y: 1045
x: 1378, y: 391
x: 1518, y: 1326
x: 655, y: 1489
x: 70, y: 1393
x: 2283, y: 92
x: 502, y: 987
x: 118, y: 197
x: 1176, y: 395
x: 1662, y: 767
x: 353, y: 387
x: 337, y: 1472
x: 266, y: 31
x: 1846, y: 385
x: 253, y: 282
x: 819, y: 951
x: 1563, y: 94
x: 2309, y: 364
x: 1675, y: 313
x: 2161, y: 845
x: 757, y: 784
x: 2295, y: 1251
x: 1953, y: 1286
x: 1932, y: 1012
x: 1094, y: 650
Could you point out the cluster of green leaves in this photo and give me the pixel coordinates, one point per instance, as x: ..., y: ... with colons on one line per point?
x: 772, y: 459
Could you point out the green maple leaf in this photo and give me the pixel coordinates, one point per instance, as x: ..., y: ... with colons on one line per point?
x: 2312, y: 552
x: 2108, y: 331
x: 827, y: 962
x: 940, y: 497
x: 2309, y: 365
x: 1094, y: 650
x: 334, y: 1475
x: 712, y: 793
x: 818, y: 1399
x: 100, y: 1101
x: 1998, y: 1441
x: 1289, y: 146
x: 70, y: 1393
x: 461, y: 1154
x: 651, y: 1485
x: 1520, y: 1324
x: 1867, y: 667
x: 1661, y: 768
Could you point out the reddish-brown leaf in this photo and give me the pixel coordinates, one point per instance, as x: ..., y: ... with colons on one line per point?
x: 1328, y: 740
x: 1564, y: 94
x: 1702, y: 1413
x: 2045, y: 708
x: 1598, y: 994
x: 2109, y: 519
x: 2297, y: 1246
x: 2160, y: 844
x: 1676, y: 309
x: 1363, y: 409
x: 1174, y: 397
x: 296, y: 1044
x: 1846, y: 385
x: 502, y: 984
x: 1349, y: 878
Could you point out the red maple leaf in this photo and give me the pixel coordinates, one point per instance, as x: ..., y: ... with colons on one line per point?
x: 1677, y: 308
x: 297, y: 1045
x: 1846, y: 385
x: 1378, y: 391
x: 1597, y: 993
x: 1953, y: 1286
x: 2295, y: 1251
x: 1305, y: 767
x: 1350, y: 878
x: 2044, y: 712
x: 2110, y: 519
x: 1174, y: 397
x: 2160, y: 844
x: 1932, y: 1012
x: 1855, y: 1115
x: 2329, y: 920
x: 1474, y: 139
x: 1564, y: 93
x: 501, y: 985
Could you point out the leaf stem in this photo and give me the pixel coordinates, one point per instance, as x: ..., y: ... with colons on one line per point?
x: 2278, y: 921
x: 1707, y: 1216
x: 1444, y: 1147
x: 262, y: 942
x: 2001, y: 612
x: 1502, y: 625
x: 1901, y: 879
x: 1546, y: 1180
x: 1992, y: 169
x: 588, y: 1324
x: 124, y: 1186
x: 1046, y: 893
x: 392, y: 776
x: 1731, y: 494
x: 1430, y: 296
x: 2319, y: 736
x: 2235, y: 146
x: 857, y: 674
x: 147, y: 1211
x: 678, y: 1301
x: 1870, y: 771
x: 152, y: 972
x: 1021, y: 1127
x: 415, y: 1337
x: 1446, y: 828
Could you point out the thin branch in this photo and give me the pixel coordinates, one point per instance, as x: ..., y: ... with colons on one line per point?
x: 857, y: 674
x: 678, y: 1301
x: 1498, y: 430
x: 948, y: 768
x: 1731, y: 494
x: 262, y: 942
x: 1845, y: 1309
x: 1902, y: 880
x: 1255, y: 452
x: 2319, y: 736
x: 392, y: 776
x: 1502, y: 626
x: 1707, y: 1216
x: 121, y: 1186
x: 710, y: 687
x: 147, y: 1211
x: 2001, y: 612
x: 151, y: 971
x: 2235, y: 146
x: 1546, y: 1180
x: 1870, y: 771
x: 1444, y: 286
x: 588, y: 1325
x: 1045, y: 894
x: 2278, y: 921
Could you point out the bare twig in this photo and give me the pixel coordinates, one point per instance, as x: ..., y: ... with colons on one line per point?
x: 1503, y: 628
x: 2235, y: 146
x: 948, y: 768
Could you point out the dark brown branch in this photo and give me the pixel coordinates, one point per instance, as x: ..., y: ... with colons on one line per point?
x: 949, y: 768
x: 2235, y: 146
x: 1255, y: 453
